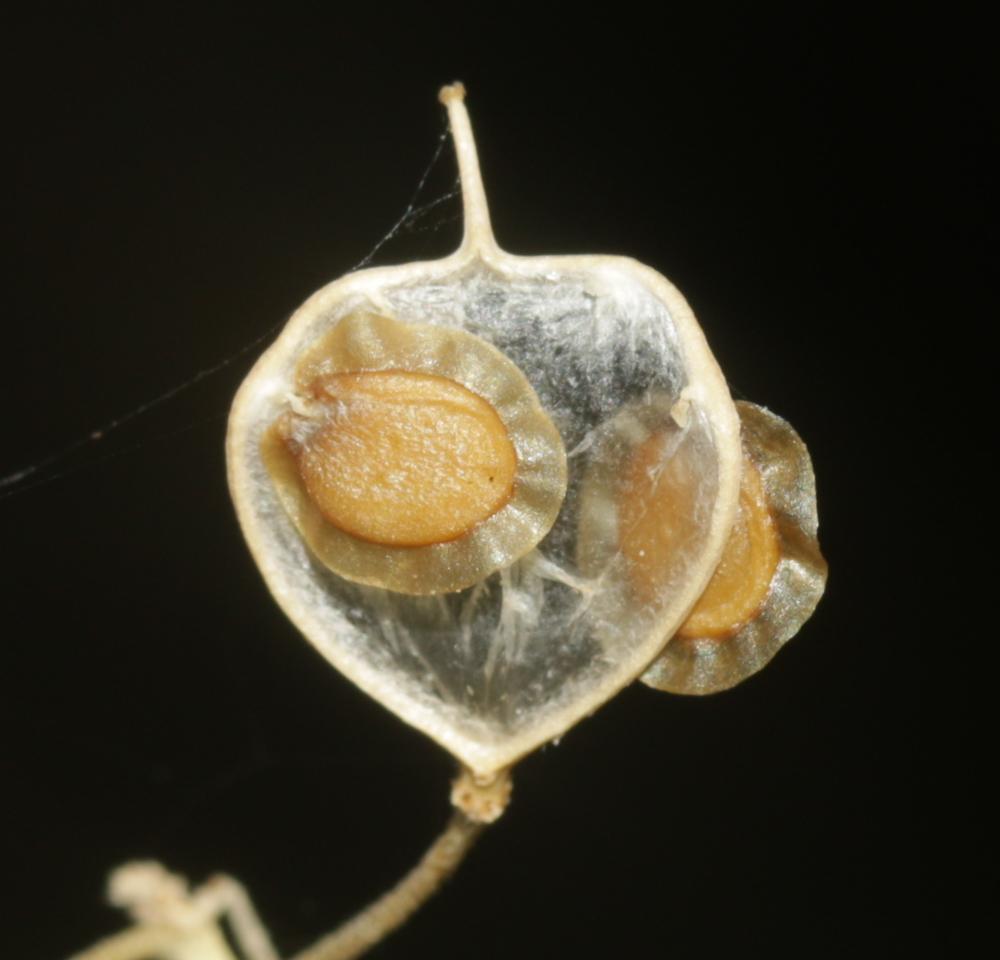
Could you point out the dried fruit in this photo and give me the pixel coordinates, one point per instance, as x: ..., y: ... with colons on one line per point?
x: 398, y: 466
x: 497, y: 649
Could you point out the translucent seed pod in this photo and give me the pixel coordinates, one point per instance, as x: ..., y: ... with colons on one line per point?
x: 771, y: 576
x: 474, y: 621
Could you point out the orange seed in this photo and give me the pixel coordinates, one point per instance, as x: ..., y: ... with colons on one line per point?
x: 742, y: 580
x: 655, y: 514
x: 404, y: 459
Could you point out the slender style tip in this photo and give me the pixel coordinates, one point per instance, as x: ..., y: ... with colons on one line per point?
x: 453, y: 91
x: 478, y: 236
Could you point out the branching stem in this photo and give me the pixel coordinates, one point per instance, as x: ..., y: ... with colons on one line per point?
x: 173, y: 921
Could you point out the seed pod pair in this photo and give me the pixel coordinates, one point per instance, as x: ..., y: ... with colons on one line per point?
x: 492, y: 489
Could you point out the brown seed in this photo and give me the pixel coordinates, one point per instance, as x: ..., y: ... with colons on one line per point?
x: 657, y: 518
x: 656, y: 515
x: 742, y: 580
x: 405, y: 459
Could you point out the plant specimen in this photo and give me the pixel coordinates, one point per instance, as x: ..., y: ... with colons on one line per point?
x: 493, y: 490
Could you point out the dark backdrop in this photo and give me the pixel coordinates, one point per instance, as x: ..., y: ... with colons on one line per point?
x: 177, y: 185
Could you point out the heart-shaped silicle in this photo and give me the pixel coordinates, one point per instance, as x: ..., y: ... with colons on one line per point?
x: 409, y: 463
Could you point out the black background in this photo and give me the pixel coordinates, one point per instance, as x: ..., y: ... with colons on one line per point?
x: 177, y: 185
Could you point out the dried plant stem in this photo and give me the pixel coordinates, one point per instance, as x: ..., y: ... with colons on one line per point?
x: 394, y: 907
x: 175, y: 922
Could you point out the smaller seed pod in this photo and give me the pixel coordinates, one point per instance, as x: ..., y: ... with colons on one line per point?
x: 771, y: 575
x: 643, y: 507
x: 413, y: 457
